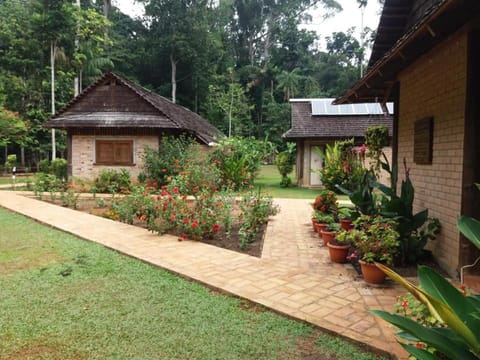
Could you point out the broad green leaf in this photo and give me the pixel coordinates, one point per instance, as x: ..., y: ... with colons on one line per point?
x: 420, y: 354
x: 419, y: 219
x: 438, y: 309
x: 428, y: 335
x: 470, y: 228
x: 438, y: 287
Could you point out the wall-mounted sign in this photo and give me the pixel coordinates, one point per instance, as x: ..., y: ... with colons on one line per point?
x: 423, y: 141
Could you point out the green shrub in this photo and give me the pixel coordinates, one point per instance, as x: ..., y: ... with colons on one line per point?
x: 169, y: 160
x: 44, y: 166
x: 59, y: 168
x: 343, y: 166
x: 10, y: 163
x: 111, y: 180
x: 284, y: 162
x: 239, y: 161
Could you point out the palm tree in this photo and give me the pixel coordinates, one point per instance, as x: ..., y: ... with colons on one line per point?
x: 288, y: 82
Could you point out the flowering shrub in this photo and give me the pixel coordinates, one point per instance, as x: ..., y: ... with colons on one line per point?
x: 255, y: 210
x: 326, y: 202
x: 342, y: 165
x: 239, y: 160
x: 204, y: 216
x: 112, y: 181
x: 379, y: 241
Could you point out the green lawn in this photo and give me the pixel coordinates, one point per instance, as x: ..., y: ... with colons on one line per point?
x: 269, y: 181
x: 65, y: 298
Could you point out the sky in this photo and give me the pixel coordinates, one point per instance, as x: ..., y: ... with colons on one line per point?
x: 349, y: 17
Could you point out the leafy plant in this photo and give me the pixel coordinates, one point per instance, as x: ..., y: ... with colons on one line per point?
x: 58, y: 167
x: 284, y: 162
x: 376, y: 138
x: 379, y: 241
x: 324, y: 218
x: 111, y: 181
x: 458, y: 311
x: 342, y: 165
x: 348, y: 236
x: 239, y: 160
x: 414, y: 229
x: 326, y: 202
x: 362, y: 196
x: 470, y: 227
x: 174, y: 152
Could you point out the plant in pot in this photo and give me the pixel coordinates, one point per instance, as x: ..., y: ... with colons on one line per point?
x: 339, y: 246
x: 379, y: 245
x: 329, y: 232
x: 345, y: 217
x: 323, y: 220
x: 326, y: 202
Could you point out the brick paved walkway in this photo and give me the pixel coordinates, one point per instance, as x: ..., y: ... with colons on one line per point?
x: 294, y: 276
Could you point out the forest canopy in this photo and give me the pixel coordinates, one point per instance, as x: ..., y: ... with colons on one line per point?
x: 235, y: 62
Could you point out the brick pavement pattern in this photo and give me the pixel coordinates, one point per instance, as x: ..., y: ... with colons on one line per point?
x: 294, y: 276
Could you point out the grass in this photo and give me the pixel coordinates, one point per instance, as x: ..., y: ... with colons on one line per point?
x: 65, y: 298
x: 269, y: 181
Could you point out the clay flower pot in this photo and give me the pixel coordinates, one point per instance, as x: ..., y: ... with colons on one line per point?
x: 314, y: 223
x: 346, y: 224
x: 371, y: 273
x: 319, y: 227
x: 338, y: 253
x: 327, y: 236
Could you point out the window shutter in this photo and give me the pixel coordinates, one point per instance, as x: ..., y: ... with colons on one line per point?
x: 114, y: 152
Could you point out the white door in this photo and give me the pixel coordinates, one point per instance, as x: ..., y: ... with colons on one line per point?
x: 315, y: 165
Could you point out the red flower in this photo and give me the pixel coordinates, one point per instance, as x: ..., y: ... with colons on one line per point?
x: 404, y: 304
x: 216, y: 227
x: 175, y: 190
x: 185, y: 221
x: 420, y: 345
x: 194, y: 224
x: 143, y: 217
x: 363, y: 149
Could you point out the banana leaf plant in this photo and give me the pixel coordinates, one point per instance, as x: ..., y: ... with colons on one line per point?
x: 459, y: 338
x: 470, y: 227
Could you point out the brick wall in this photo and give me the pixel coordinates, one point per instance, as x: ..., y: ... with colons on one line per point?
x: 435, y: 85
x: 83, y: 155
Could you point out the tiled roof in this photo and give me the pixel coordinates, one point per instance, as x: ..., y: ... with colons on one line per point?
x: 304, y: 125
x: 163, y: 113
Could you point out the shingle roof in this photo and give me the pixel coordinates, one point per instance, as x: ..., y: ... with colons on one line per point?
x: 306, y: 125
x: 161, y: 114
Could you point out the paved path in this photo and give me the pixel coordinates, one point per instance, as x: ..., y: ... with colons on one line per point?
x: 294, y: 276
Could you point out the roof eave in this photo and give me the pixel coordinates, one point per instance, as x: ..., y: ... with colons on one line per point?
x: 378, y: 82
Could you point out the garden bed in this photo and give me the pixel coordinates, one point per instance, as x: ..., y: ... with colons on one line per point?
x: 230, y: 242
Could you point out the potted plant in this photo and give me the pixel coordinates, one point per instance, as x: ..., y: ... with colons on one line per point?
x: 322, y: 220
x: 329, y: 232
x: 326, y: 202
x: 339, y: 246
x: 380, y: 244
x: 345, y: 216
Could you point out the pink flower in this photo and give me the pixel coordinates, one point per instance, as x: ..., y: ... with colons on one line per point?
x: 363, y: 149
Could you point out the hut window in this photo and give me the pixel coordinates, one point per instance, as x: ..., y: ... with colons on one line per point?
x: 114, y: 152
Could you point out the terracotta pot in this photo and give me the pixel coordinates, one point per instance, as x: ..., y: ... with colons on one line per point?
x: 319, y: 227
x: 371, y: 273
x: 327, y: 236
x: 314, y: 223
x: 338, y: 253
x: 346, y: 224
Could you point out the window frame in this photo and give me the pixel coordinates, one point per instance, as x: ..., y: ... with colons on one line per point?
x: 112, y: 161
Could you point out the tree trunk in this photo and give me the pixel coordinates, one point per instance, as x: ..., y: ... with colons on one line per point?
x: 22, y: 156
x: 76, y: 81
x: 52, y: 73
x: 173, y: 64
